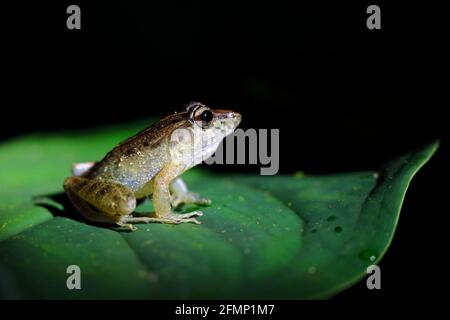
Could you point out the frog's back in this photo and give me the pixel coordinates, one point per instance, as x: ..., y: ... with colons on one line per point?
x: 132, y: 171
x: 138, y: 159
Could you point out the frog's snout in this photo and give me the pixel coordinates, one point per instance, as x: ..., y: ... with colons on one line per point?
x: 230, y: 119
x: 233, y: 119
x: 236, y: 116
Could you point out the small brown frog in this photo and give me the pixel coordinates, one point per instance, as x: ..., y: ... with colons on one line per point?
x: 150, y: 163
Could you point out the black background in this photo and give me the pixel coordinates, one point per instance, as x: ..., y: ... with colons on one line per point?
x: 345, y: 98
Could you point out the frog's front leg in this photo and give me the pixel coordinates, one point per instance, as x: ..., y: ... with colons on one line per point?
x: 181, y: 194
x: 162, y: 200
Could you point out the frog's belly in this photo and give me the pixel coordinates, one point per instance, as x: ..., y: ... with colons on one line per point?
x: 137, y: 179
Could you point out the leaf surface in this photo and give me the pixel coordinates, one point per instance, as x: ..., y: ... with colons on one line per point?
x: 295, y: 236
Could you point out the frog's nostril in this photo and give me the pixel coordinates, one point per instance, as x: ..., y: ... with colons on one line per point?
x: 235, y: 115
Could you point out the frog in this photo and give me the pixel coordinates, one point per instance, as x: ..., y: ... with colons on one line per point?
x: 150, y: 164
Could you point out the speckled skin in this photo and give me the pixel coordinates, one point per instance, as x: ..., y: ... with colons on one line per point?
x: 150, y: 163
x: 137, y: 160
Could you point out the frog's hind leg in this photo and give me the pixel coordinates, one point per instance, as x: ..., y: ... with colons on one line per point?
x: 88, y: 211
x: 100, y: 200
x: 181, y: 194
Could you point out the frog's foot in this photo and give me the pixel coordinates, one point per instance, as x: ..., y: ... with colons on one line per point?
x: 188, y: 198
x: 124, y: 227
x: 175, y: 218
x: 171, y: 218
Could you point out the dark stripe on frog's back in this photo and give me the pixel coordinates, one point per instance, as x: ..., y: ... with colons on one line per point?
x: 149, y: 138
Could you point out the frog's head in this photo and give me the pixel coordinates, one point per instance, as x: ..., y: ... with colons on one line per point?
x: 208, y: 128
x: 213, y: 122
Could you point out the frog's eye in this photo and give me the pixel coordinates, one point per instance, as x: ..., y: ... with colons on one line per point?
x: 203, y: 117
x: 206, y: 116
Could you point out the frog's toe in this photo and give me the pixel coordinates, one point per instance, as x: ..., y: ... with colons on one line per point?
x: 189, y: 215
x: 185, y: 220
x: 203, y: 201
x: 188, y: 198
x: 124, y: 227
x: 191, y: 220
x: 185, y: 217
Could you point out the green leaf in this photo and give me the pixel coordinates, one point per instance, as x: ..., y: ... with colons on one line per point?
x: 284, y: 236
